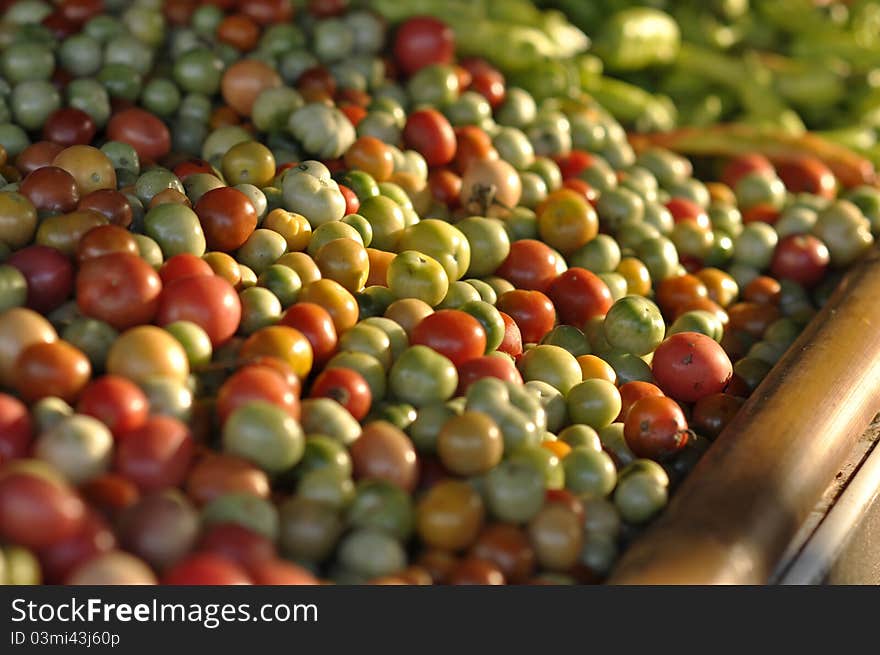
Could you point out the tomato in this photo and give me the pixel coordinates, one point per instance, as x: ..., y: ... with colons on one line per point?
x: 655, y: 427
x: 508, y: 547
x: 217, y: 474
x: 347, y: 387
x: 237, y: 544
x: 48, y: 273
x: 244, y: 80
x: 16, y: 428
x: 206, y: 569
x: 489, y: 84
x: 183, y: 265
x: 578, y: 185
x: 111, y: 203
x: 689, y: 366
x: 429, y: 133
x: 103, y: 240
x: 281, y: 572
x: 228, y: 218
x: 267, y: 12
x: 421, y: 41
x: 631, y: 392
x: 155, y: 455
x: 743, y: 165
x: 119, y: 288
x: 385, y: 452
x: 110, y: 494
x: 530, y: 265
x: 752, y: 318
x: 209, y: 301
x: 472, y: 143
x: 115, y: 401
x: 286, y: 343
x: 352, y: 202
x: 239, y: 31
x: 19, y: 328
x: 256, y: 382
x: 452, y: 333
x: 52, y: 190
x: 69, y: 126
x: 316, y: 324
x: 566, y: 221
x: 578, y: 296
x: 802, y: 258
x: 678, y: 291
x: 711, y: 414
x: 336, y: 299
x: 36, y: 511
x: 372, y: 156
x: 475, y: 369
x: 316, y: 84
x: 51, y: 369
x: 512, y: 342
x: 490, y: 187
x: 142, y: 130
x: 683, y: 209
x: 532, y: 311
x: 808, y: 175
x: 92, y: 538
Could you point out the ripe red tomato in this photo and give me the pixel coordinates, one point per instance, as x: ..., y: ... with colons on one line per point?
x: 802, y: 258
x: 655, y: 427
x: 486, y: 366
x: 192, y: 166
x: 808, y: 175
x: 581, y: 187
x: 683, y: 209
x: 256, y: 382
x: 317, y: 326
x: 630, y: 392
x: 512, y: 341
x: 471, y: 144
x: 489, y: 84
x: 352, y: 202
x: 572, y: 164
x: 690, y: 365
x: 347, y: 387
x: 579, y: 295
x: 740, y: 166
x: 281, y: 572
x: 51, y: 369
x: 119, y: 288
x: 143, y: 131
x: 155, y: 455
x: 206, y: 569
x: 115, y: 401
x: 207, y: 300
x: 16, y: 428
x: 532, y: 311
x: 59, y: 559
x: 453, y: 333
x: 69, y: 126
x: 530, y: 265
x: 421, y: 41
x: 711, y: 414
x: 228, y: 218
x: 37, y: 512
x: 445, y: 187
x: 237, y: 544
x: 183, y: 265
x: 49, y: 276
x: 429, y: 133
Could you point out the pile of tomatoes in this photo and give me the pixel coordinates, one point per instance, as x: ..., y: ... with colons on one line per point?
x: 287, y: 299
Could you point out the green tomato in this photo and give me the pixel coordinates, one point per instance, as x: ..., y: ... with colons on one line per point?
x: 548, y: 170
x: 614, y: 443
x: 568, y: 337
x: 699, y: 321
x: 460, y: 293
x: 386, y: 220
x: 515, y: 490
x: 282, y: 281
x: 755, y: 245
x: 484, y: 289
x: 581, y: 436
x: 363, y: 184
x: 259, y: 308
x: 490, y: 319
x: 32, y: 102
x: 594, y: 402
x: 261, y: 249
x: 78, y: 446
x: 551, y: 364
x: 27, y: 61
x: 668, y: 167
x: 244, y: 509
x: 323, y: 131
x: 514, y: 147
x: 470, y: 108
x: 600, y: 255
x: 518, y: 109
x: 548, y: 463
x: 374, y: 301
x: 429, y: 420
x: 552, y: 402
x: 421, y: 376
x: 367, y: 339
x: 759, y: 188
x: 629, y: 367
x: 397, y: 337
x: 639, y: 497
x: 327, y: 232
x: 161, y: 96
x: 168, y: 396
x: 381, y: 505
x: 488, y: 244
x: 589, y: 472
x: 13, y: 288
x: 368, y: 366
x: 309, y: 530
x: 435, y: 84
x: 273, y: 107
x: 48, y: 412
x: 413, y: 274
x: 322, y: 451
x: 328, y: 417
x: 92, y: 337
x: 326, y: 486
x: 446, y: 243
x: 153, y: 182
x: 195, y: 341
x: 616, y: 284
x: 634, y: 325
x: 264, y: 434
x: 80, y: 54
x: 371, y: 553
x: 619, y: 206
x: 176, y: 229
x: 845, y: 231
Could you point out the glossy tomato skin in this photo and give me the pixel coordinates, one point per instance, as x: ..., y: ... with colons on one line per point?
x: 206, y: 300
x: 486, y: 366
x: 316, y: 324
x: 802, y: 258
x: 51, y: 369
x: 347, y: 387
x: 428, y: 132
x: 143, y: 131
x: 69, y: 126
x: 452, y: 333
x: 206, y: 569
x: 532, y: 311
x: 808, y: 175
x: 683, y: 209
x: 49, y: 276
x: 228, y: 218
x: 530, y: 265
x: 579, y: 295
x: 633, y: 391
x: 512, y: 343
x: 16, y: 428
x: 421, y: 41
x: 155, y: 455
x: 60, y: 558
x: 36, y: 512
x: 740, y: 166
x: 711, y: 414
x: 119, y: 288
x: 256, y: 382
x: 655, y: 427
x: 689, y: 366
x: 115, y: 401
x: 237, y: 544
x: 183, y: 265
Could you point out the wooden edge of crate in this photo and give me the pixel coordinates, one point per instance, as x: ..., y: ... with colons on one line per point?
x: 732, y: 519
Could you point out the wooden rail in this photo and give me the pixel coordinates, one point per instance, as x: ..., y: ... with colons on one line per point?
x: 735, y: 514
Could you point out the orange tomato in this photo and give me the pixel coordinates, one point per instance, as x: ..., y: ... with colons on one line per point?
x: 380, y: 260
x: 286, y: 343
x: 372, y: 156
x: 634, y: 271
x: 566, y: 221
x: 593, y: 367
x: 336, y: 299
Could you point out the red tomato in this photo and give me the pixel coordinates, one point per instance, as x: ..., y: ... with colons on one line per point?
x: 512, y: 341
x: 347, y: 387
x: 530, y: 265
x: 115, y: 401
x: 352, y: 202
x: 327, y: 8
x: 354, y: 113
x: 655, y: 427
x: 579, y: 295
x: 237, y: 544
x: 183, y: 265
x: 471, y: 144
x: 453, y: 333
x: 429, y: 133
x: 631, y: 392
x: 445, y: 187
x: 192, y: 166
x: 486, y: 366
x: 69, y: 126
x: 808, y: 175
x: 143, y: 131
x: 760, y: 213
x: 581, y: 187
x: 574, y: 163
x: 683, y: 209
x: 119, y: 288
x: 490, y: 85
x: 281, y: 572
x: 16, y: 428
x: 228, y: 218
x: 742, y: 165
x: 532, y: 311
x: 421, y: 41
x: 802, y: 258
x: 51, y: 369
x: 37, y: 512
x: 711, y: 414
x: 206, y: 569
x: 317, y: 326
x: 49, y: 276
x: 266, y: 12
x: 207, y: 300
x: 60, y: 558
x: 256, y: 383
x: 110, y: 494
x: 690, y: 365
x: 155, y: 455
